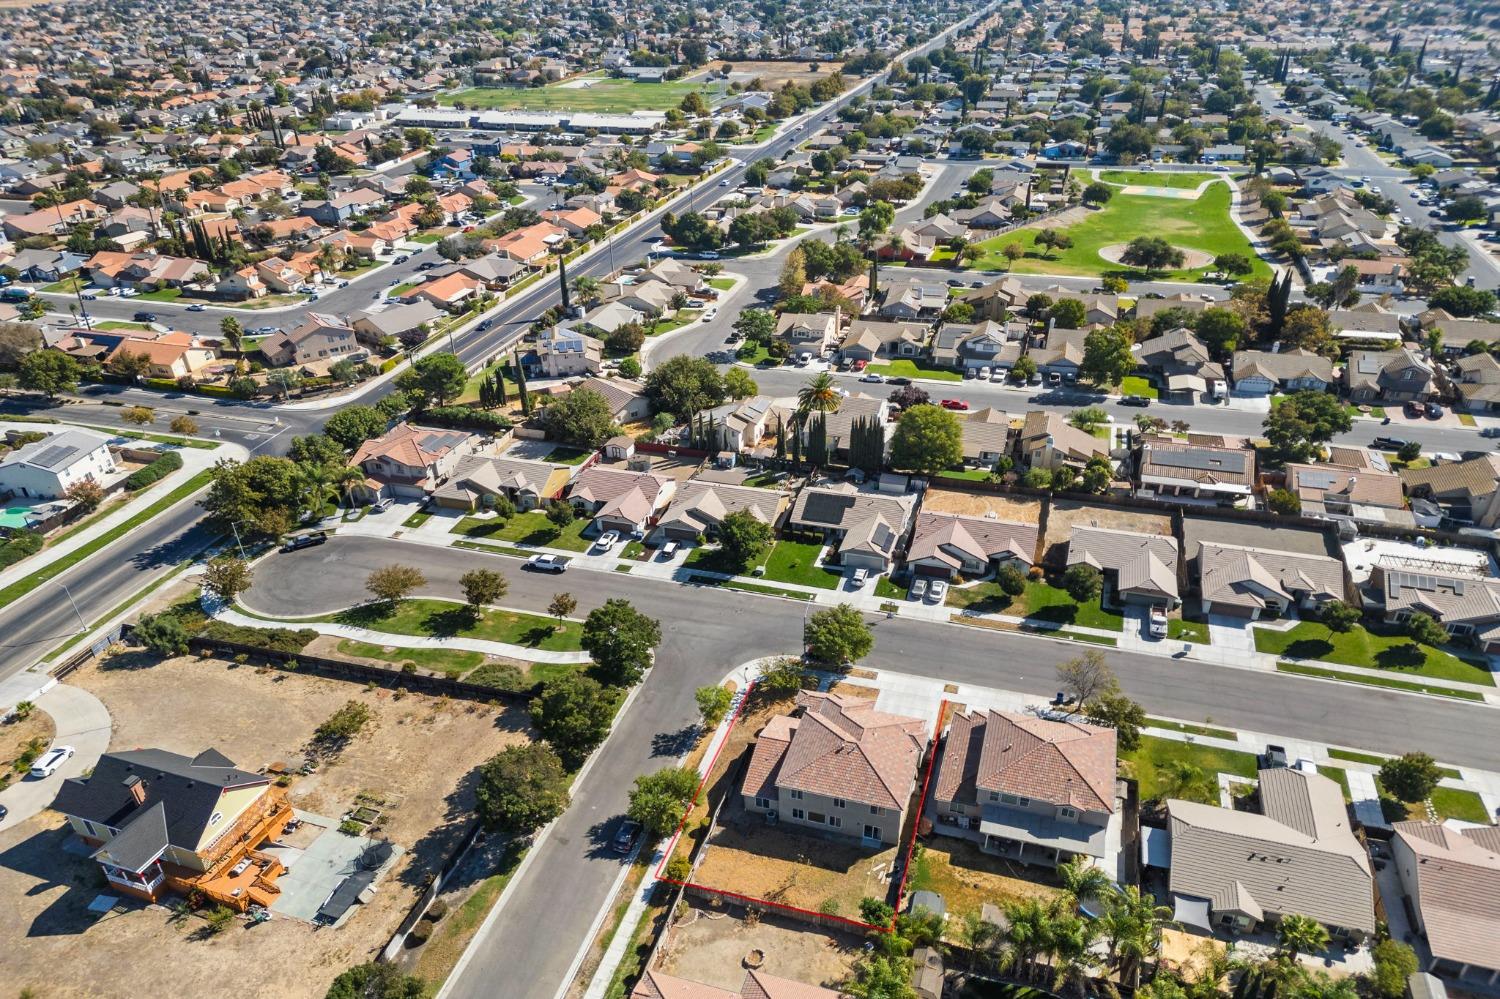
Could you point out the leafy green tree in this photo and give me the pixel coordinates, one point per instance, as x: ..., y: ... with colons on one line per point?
x: 1233, y: 264
x: 713, y: 703
x: 1302, y: 423
x: 482, y: 588
x: 48, y: 371
x: 621, y: 641
x: 876, y: 911
x: 1410, y: 451
x: 684, y: 386
x: 1411, y: 777
x: 1395, y: 962
x: 582, y: 417
x: 738, y: 384
x: 1120, y: 713
x: 1012, y: 580
x: 316, y: 450
x: 880, y: 976
x: 521, y: 789
x: 927, y: 439
x: 1338, y: 616
x: 1424, y: 628
x: 756, y: 325
x: 1284, y: 502
x: 1151, y: 253
x: 393, y: 583
x: 560, y: 514
x: 226, y: 577
x: 1220, y: 329
x: 1083, y: 582
x: 1107, y: 357
x: 743, y: 538
x: 1069, y: 313
x: 838, y: 635
x: 1098, y: 193
x: 162, y: 633
x: 261, y: 495
x: 573, y: 713
x: 659, y: 801
x: 351, y: 426
x: 376, y: 980
x: 781, y: 676
x: 436, y: 378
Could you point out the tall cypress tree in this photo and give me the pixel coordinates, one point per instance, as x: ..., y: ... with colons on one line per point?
x: 521, y: 385
x: 780, y: 439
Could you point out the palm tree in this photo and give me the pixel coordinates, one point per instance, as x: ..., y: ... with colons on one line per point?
x: 1299, y: 934
x: 978, y: 937
x: 317, y: 481
x: 347, y: 478
x: 820, y: 395
x: 1132, y: 925
x: 1180, y: 779
x: 1083, y: 880
x: 1072, y: 959
x: 1029, y: 935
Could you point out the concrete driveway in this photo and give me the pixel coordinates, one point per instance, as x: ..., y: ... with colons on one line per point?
x: 83, y: 723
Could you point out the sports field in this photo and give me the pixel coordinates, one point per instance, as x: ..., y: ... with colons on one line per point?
x: 590, y: 93
x: 1151, y: 178
x: 1192, y: 224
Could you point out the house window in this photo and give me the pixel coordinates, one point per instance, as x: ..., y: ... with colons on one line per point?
x: 876, y: 810
x: 1067, y: 813
x: 1023, y: 802
x: 994, y: 796
x: 834, y: 822
x: 872, y: 832
x: 799, y: 814
x: 817, y: 817
x: 839, y: 802
x: 795, y: 795
x: 762, y: 802
x: 1008, y: 799
x: 213, y: 819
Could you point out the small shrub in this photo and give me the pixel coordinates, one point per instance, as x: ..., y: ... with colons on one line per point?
x: 829, y: 907
x: 218, y: 920
x: 436, y: 911
x: 159, y: 469
x: 420, y: 933
x: 344, y: 723
x: 350, y: 828
x: 679, y: 868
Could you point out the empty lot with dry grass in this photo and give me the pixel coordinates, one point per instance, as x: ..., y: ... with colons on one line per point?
x: 708, y: 945
x: 416, y: 752
x: 1065, y: 515
x: 1017, y: 510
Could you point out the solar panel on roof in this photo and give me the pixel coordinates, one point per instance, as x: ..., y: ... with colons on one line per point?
x: 827, y: 508
x: 1202, y: 460
x: 51, y: 457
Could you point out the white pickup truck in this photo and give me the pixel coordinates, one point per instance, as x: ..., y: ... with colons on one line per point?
x: 1158, y: 621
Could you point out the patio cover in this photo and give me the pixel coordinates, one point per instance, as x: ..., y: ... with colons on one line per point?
x: 1191, y: 911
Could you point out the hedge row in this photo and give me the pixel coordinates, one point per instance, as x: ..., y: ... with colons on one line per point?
x: 464, y: 418
x: 18, y: 546
x: 169, y: 462
x: 503, y: 676
x: 271, y: 639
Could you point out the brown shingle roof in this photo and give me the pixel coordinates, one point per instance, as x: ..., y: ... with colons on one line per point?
x: 1458, y: 890
x: 1061, y: 762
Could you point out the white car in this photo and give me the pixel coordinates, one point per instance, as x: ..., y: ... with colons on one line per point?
x: 873, y: 378
x: 607, y: 540
x: 49, y: 761
x: 669, y: 549
x: 937, y: 591
x: 858, y: 579
x: 708, y: 314
x: 128, y: 293
x: 918, y: 588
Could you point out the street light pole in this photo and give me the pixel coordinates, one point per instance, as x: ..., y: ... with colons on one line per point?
x: 236, y: 530
x: 82, y: 626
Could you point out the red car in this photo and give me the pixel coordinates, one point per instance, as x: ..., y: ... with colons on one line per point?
x: 954, y: 404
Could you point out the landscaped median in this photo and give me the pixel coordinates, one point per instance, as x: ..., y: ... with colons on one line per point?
x: 1358, y: 646
x: 63, y: 563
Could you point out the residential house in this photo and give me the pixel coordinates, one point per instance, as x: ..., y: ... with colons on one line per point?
x: 1478, y: 382
x: 161, y: 822
x: 410, y: 462
x: 997, y: 299
x: 148, y: 271
x: 171, y: 355
x: 814, y: 333
x: 1062, y: 354
x: 1450, y: 874
x: 1466, y: 605
x: 374, y: 325
x: 1336, y: 491
x: 320, y: 337
x: 563, y: 352
x: 1236, y: 581
x: 48, y: 468
x: 626, y: 399
x: 1137, y: 568
x: 620, y: 500
x: 864, y: 527
x: 986, y: 436
x: 1468, y: 491
x: 1181, y: 362
x: 1030, y: 789
x: 1146, y: 308
x: 450, y: 292
x: 838, y: 766
x: 1047, y: 440
x: 1388, y: 376
x: 948, y: 544
x: 987, y: 344
x: 700, y: 506
x: 1261, y: 372
x: 914, y: 298
x: 477, y: 481
x: 742, y: 425
x: 1240, y: 870
x: 1177, y: 469
x: 867, y: 339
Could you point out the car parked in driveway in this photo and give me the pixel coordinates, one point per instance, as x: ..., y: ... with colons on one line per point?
x: 936, y: 591
x: 47, y: 764
x: 858, y: 578
x: 918, y: 588
x: 607, y: 540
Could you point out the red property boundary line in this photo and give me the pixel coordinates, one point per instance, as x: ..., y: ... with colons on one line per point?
x: 858, y: 924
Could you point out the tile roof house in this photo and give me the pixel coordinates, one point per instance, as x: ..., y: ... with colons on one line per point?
x: 700, y: 505
x: 1451, y: 876
x: 1387, y: 376
x: 839, y: 765
x: 477, y: 479
x: 412, y: 461
x: 1467, y: 490
x: 1245, y: 582
x: 1047, y: 440
x: 620, y: 500
x: 1337, y: 491
x: 165, y: 822
x: 1260, y: 372
x: 320, y: 337
x: 1138, y: 568
x: 1029, y: 789
x: 563, y: 352
x: 170, y: 355
x: 945, y: 544
x: 986, y: 436
x: 1236, y: 870
x: 1478, y: 382
x: 1171, y: 467
x: 1465, y: 605
x: 986, y: 344
x: 1181, y: 360
x: 626, y: 399
x: 812, y: 333
x: 867, y: 339
x: 865, y: 527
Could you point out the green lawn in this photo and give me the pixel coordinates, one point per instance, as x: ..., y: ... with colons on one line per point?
x: 67, y: 286
x: 417, y: 519
x: 116, y: 324
x: 1190, y: 729
x: 454, y: 662
x: 1453, y: 803
x: 1147, y: 759
x: 1039, y: 601
x: 1149, y: 178
x: 447, y: 619
x: 1136, y: 385
x: 1297, y: 669
x: 1339, y: 777
x: 602, y: 95
x: 1359, y: 647
x: 1202, y: 224
x: 427, y: 237
x: 568, y: 456
x: 681, y: 319
x: 911, y: 369
x: 721, y: 283
x: 160, y: 295
x: 758, y: 352
x: 1187, y: 631
x: 401, y: 289
x: 531, y: 528
x: 21, y: 587
x: 794, y: 562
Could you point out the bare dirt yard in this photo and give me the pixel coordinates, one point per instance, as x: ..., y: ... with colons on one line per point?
x: 967, y: 878
x: 1068, y: 514
x: 417, y: 753
x: 1013, y: 509
x: 709, y: 945
x: 773, y: 74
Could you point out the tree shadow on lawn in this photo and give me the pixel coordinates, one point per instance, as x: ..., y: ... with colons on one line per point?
x: 542, y: 536
x: 1056, y: 614
x: 674, y: 743
x: 1308, y: 648
x: 1408, y: 656
x: 993, y: 603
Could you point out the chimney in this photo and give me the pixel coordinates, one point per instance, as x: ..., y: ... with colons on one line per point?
x: 136, y: 788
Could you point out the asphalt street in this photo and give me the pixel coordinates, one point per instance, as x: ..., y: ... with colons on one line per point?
x: 708, y: 631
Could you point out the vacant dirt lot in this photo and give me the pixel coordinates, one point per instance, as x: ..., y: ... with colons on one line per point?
x: 416, y: 753
x: 773, y: 74
x: 1067, y: 514
x: 967, y: 878
x: 709, y: 946
x: 1013, y: 509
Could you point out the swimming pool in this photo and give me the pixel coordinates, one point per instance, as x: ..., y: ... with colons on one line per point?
x: 14, y: 516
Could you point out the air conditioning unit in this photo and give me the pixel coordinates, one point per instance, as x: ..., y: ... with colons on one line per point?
x: 771, y: 817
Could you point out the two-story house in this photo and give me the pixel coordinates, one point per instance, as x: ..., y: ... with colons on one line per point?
x: 813, y: 333
x: 1387, y: 376
x: 837, y: 765
x: 410, y: 461
x: 1029, y: 789
x: 319, y: 338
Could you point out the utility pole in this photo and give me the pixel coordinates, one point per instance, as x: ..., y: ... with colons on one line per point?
x: 82, y: 627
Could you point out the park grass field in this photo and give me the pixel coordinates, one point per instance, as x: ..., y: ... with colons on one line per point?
x: 1202, y: 224
x: 598, y: 94
x: 1150, y: 178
